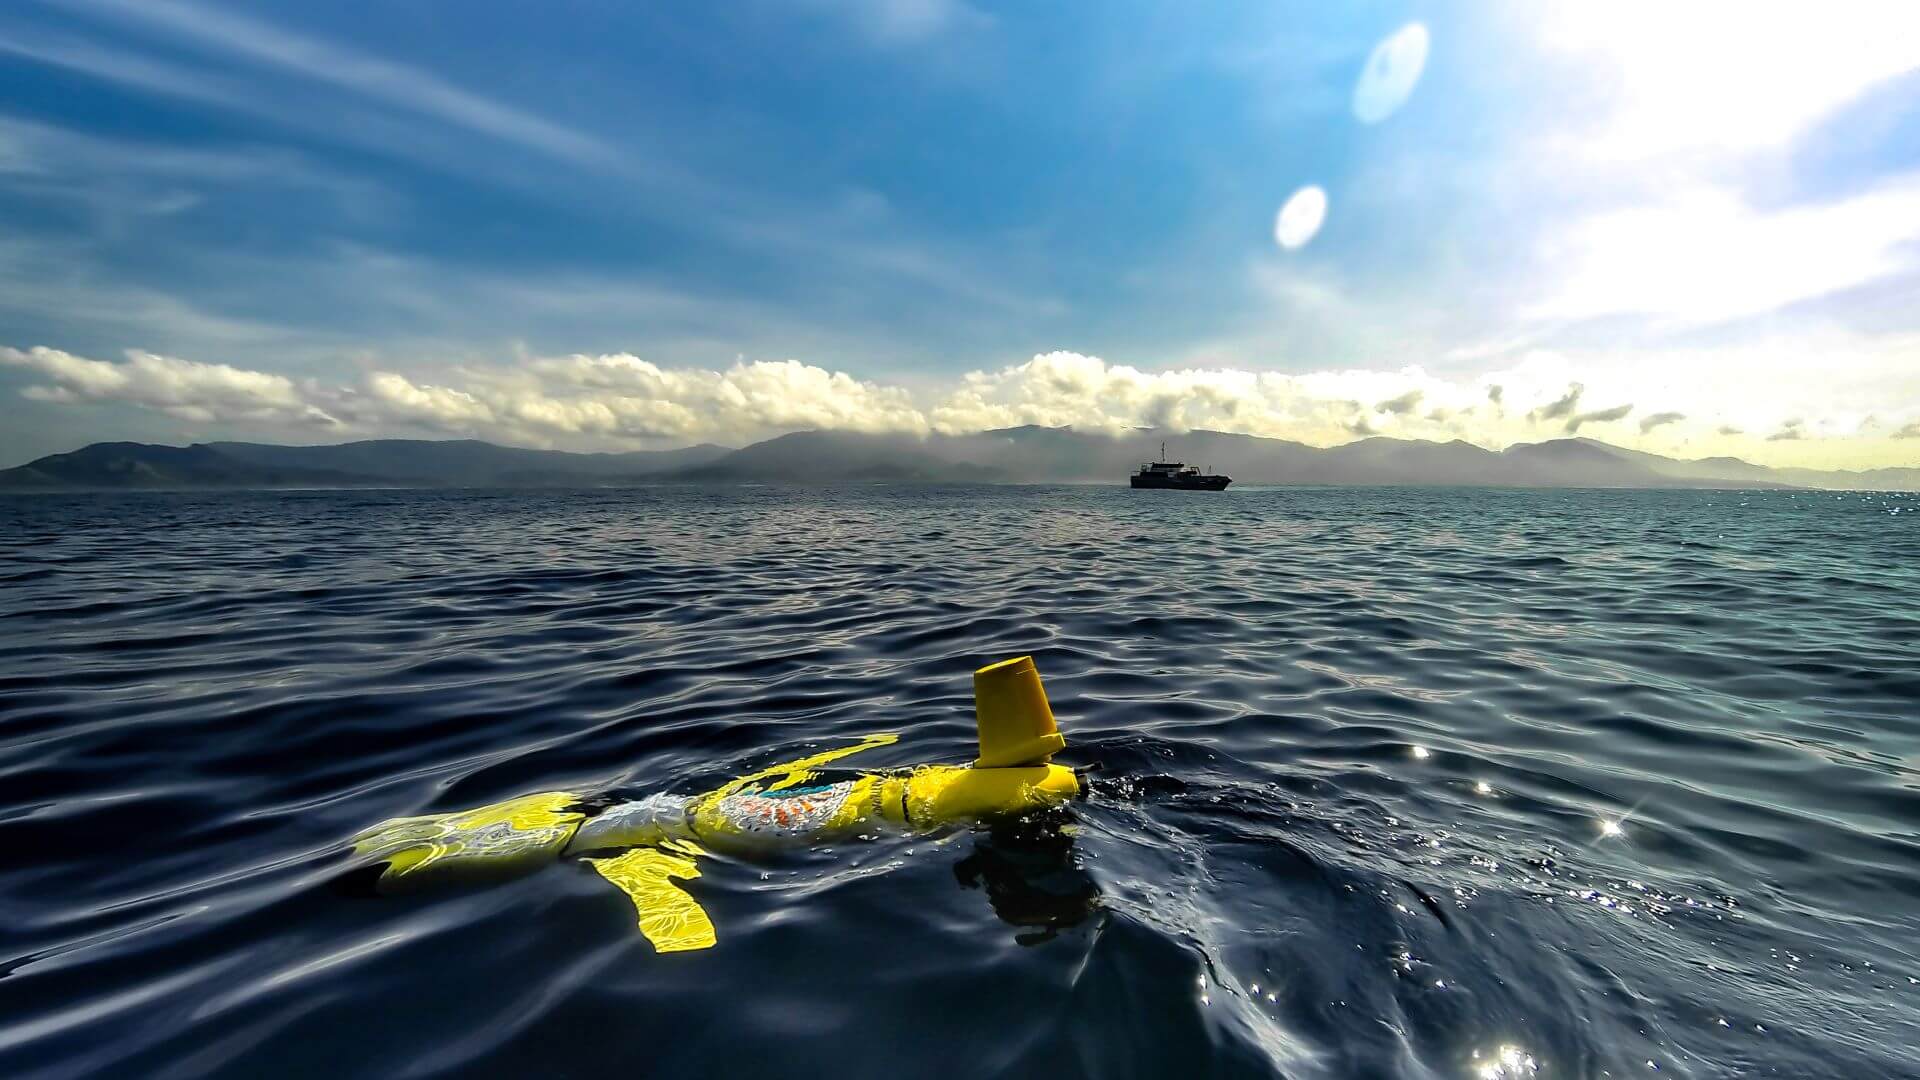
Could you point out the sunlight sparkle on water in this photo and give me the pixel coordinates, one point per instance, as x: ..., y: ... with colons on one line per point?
x: 1507, y: 1062
x: 1610, y: 828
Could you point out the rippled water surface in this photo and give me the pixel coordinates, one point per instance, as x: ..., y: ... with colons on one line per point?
x: 1384, y: 783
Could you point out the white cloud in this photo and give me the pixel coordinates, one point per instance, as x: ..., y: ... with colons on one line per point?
x: 1695, y: 404
x: 185, y: 389
x: 758, y: 396
x: 1704, y: 256
x: 1667, y: 118
x: 1723, y: 75
x: 620, y: 396
x: 1323, y: 407
x: 394, y: 397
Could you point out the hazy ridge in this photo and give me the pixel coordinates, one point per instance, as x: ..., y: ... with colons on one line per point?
x: 1010, y: 455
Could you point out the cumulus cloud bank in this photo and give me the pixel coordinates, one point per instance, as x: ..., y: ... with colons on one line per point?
x: 185, y: 389
x: 618, y: 399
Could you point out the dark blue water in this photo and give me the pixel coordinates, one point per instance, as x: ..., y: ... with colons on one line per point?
x: 1353, y: 757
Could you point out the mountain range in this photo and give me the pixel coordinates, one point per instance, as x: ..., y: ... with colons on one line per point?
x: 1009, y: 455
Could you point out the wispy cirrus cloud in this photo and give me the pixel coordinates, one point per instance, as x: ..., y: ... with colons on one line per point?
x: 904, y: 22
x: 343, y: 94
x: 349, y: 121
x: 400, y: 86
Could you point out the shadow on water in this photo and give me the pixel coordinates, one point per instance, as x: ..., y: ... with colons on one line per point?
x: 1027, y: 868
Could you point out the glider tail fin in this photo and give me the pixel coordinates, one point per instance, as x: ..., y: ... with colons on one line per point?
x: 669, y: 918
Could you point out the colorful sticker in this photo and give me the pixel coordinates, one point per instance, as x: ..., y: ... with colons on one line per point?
x: 796, y: 811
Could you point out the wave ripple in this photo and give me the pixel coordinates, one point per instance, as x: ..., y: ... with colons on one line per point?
x: 1385, y: 783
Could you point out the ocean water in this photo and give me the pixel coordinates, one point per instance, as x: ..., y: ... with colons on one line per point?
x: 1384, y: 783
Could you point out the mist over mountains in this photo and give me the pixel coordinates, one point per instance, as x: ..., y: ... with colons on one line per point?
x: 1029, y: 455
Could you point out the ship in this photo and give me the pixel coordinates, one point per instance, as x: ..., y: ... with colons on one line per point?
x: 1178, y: 475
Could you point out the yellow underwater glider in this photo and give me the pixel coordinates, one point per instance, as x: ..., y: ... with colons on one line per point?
x: 652, y: 841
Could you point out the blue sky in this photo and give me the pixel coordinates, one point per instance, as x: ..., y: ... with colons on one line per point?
x: 613, y: 224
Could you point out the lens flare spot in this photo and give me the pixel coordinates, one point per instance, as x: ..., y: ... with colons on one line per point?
x: 1392, y: 71
x: 1300, y: 218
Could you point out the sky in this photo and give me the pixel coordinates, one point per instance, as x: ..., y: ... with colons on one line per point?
x: 1692, y: 228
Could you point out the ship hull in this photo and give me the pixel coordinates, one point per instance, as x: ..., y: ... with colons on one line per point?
x: 1193, y: 483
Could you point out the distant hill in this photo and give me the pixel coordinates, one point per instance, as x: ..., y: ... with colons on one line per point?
x: 376, y: 463
x: 841, y: 457
x: 469, y: 462
x: 1009, y: 455
x: 1033, y: 454
x: 140, y: 465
